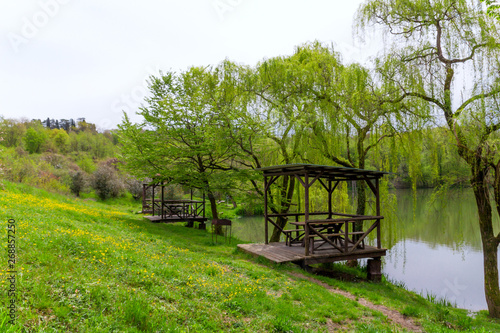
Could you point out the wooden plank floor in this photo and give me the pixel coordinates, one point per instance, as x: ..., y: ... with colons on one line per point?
x: 173, y: 219
x: 281, y: 253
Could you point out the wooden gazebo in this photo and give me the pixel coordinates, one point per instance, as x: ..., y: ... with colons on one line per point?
x: 321, y: 236
x: 157, y: 208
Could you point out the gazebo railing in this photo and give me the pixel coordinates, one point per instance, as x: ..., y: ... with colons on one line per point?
x: 182, y: 208
x: 316, y: 234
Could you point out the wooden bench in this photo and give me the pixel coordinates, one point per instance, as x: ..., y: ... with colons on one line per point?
x: 329, y: 231
x: 289, y: 239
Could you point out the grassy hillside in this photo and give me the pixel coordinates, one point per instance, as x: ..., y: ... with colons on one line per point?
x: 85, y: 266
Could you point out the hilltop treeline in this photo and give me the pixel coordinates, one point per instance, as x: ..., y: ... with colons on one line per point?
x: 64, y: 156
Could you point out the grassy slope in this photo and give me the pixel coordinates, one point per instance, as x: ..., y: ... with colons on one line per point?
x: 92, y: 267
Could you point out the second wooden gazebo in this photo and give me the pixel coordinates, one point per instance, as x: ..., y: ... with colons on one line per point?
x: 322, y: 236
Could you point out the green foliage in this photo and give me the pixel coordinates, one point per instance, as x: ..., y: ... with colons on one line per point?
x: 61, y: 139
x: 410, y: 311
x: 34, y: 139
x: 283, y: 325
x: 12, y: 132
x: 493, y: 8
x: 85, y: 162
x: 22, y: 170
x: 136, y: 313
x: 53, y: 157
x: 434, y: 44
x: 186, y: 136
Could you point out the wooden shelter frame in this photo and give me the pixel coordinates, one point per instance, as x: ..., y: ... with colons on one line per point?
x: 316, y: 234
x: 165, y: 209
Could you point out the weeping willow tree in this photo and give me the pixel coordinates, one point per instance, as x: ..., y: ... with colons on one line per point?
x: 353, y: 112
x: 447, y: 54
x: 493, y: 8
x: 282, y: 116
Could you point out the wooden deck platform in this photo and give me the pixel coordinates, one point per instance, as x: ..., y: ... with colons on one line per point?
x: 281, y: 253
x: 173, y: 219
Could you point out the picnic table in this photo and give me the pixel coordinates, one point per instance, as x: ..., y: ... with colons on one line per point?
x: 333, y: 231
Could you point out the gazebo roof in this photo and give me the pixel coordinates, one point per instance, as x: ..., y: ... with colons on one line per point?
x: 324, y: 171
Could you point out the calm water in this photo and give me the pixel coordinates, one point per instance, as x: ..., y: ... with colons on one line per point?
x: 433, y: 249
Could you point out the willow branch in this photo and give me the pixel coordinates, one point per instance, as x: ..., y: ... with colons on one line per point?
x: 475, y: 98
x: 378, y: 141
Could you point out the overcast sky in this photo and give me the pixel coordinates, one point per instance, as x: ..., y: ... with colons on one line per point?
x: 87, y: 58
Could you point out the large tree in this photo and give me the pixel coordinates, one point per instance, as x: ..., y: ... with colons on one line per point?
x: 279, y: 111
x: 310, y: 107
x: 186, y: 135
x: 447, y: 54
x: 354, y: 112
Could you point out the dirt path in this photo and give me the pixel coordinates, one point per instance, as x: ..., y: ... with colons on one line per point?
x: 393, y: 315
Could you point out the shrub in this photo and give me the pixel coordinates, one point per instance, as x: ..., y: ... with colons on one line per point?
x: 21, y: 170
x: 134, y: 186
x: 77, y: 183
x: 106, y: 182
x: 61, y: 139
x: 20, y: 151
x: 86, y: 163
x: 34, y: 140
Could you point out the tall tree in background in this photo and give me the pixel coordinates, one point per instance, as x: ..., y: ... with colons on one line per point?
x: 353, y: 114
x: 351, y: 110
x: 436, y: 43
x: 283, y: 115
x: 34, y: 138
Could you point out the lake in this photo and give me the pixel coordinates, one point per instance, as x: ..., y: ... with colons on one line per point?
x: 434, y: 249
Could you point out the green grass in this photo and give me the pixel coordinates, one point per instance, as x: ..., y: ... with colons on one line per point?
x: 88, y: 266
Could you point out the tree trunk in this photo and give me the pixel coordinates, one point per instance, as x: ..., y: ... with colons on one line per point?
x: 281, y: 221
x: 360, y: 210
x: 361, y: 207
x: 232, y: 201
x: 361, y: 189
x: 286, y: 194
x: 215, y: 215
x: 489, y: 241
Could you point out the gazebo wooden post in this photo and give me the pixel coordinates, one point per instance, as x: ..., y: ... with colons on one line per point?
x: 204, y: 208
x: 191, y: 206
x: 377, y: 200
x: 306, y: 212
x: 153, y: 199
x: 330, y: 192
x: 162, y: 209
x: 265, y: 211
x: 143, y: 196
x: 374, y: 265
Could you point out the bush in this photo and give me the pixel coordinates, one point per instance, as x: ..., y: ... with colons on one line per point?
x: 134, y: 186
x: 22, y: 170
x: 85, y: 163
x: 77, y: 183
x: 106, y: 182
x: 34, y: 140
